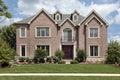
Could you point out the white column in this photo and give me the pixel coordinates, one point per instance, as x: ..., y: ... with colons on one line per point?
x: 74, y: 50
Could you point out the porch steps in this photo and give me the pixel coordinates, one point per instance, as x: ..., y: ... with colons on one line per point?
x: 67, y: 61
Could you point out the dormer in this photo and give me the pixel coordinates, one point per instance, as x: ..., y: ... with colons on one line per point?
x: 58, y: 16
x: 75, y: 16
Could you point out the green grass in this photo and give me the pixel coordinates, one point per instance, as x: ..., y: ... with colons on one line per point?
x: 59, y: 78
x: 62, y: 68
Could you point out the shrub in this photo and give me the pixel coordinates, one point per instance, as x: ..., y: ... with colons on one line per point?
x: 81, y: 56
x: 28, y: 60
x: 59, y: 54
x: 22, y: 59
x: 49, y: 59
x: 55, y: 59
x: 40, y: 55
x: 74, y: 62
x: 61, y: 62
x: 113, y: 53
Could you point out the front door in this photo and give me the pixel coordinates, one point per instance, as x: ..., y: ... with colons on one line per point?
x: 68, y: 51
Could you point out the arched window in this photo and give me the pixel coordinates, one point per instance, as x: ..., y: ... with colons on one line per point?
x: 57, y: 17
x: 75, y: 17
x: 67, y: 35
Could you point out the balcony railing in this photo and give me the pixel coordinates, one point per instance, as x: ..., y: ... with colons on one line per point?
x: 67, y: 39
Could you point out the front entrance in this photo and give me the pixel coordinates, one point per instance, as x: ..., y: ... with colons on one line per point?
x: 68, y: 51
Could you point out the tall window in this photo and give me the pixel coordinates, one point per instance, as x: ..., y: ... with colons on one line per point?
x: 93, y: 50
x: 45, y: 47
x: 23, y: 50
x: 67, y: 35
x: 42, y: 32
x: 94, y: 32
x: 22, y: 32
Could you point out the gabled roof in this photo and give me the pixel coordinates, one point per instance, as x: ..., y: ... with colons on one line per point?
x: 93, y: 12
x: 65, y: 21
x: 30, y: 19
x: 42, y: 10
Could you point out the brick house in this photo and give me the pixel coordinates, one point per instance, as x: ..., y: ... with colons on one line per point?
x: 67, y: 32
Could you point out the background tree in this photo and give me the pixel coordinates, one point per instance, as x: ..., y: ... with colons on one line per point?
x: 3, y: 11
x: 8, y: 34
x: 113, y: 52
x: 6, y: 53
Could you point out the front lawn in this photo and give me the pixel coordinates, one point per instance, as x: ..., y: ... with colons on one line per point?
x: 62, y: 68
x: 59, y: 78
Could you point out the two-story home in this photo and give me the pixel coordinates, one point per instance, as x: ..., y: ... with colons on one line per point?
x: 67, y: 32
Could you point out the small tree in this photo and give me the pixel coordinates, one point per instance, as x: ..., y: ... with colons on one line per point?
x: 59, y: 54
x: 8, y: 34
x: 6, y: 53
x: 81, y: 56
x: 113, y: 52
x: 40, y: 55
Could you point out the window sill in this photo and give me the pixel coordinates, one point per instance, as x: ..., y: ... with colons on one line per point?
x: 94, y: 37
x: 43, y: 37
x: 23, y: 37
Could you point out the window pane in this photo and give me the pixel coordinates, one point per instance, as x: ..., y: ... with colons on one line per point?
x: 47, y: 50
x: 23, y: 50
x: 91, y: 50
x: 22, y: 32
x: 38, y: 31
x: 47, y: 31
x: 96, y: 50
x: 91, y: 32
x: 95, y: 32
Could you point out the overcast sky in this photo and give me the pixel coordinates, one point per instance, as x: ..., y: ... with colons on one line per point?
x: 108, y: 9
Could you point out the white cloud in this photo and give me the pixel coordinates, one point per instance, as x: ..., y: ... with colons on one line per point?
x: 116, y: 38
x: 9, y: 21
x: 30, y: 7
x: 117, y: 17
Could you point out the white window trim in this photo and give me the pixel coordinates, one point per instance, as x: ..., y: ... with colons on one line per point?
x: 63, y: 33
x: 45, y: 45
x: 25, y: 32
x: 98, y: 50
x: 42, y: 27
x: 74, y: 18
x: 93, y: 37
x: 56, y: 17
x: 25, y: 50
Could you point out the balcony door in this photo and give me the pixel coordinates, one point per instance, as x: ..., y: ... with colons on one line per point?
x: 67, y: 35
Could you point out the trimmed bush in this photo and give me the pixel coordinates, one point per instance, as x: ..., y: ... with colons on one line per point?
x: 59, y: 54
x: 55, y: 59
x: 49, y: 59
x: 81, y: 55
x: 74, y: 62
x: 28, y: 60
x: 22, y: 59
x: 40, y: 55
x: 61, y: 62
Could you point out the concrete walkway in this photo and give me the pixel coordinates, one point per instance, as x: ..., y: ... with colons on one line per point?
x: 57, y: 74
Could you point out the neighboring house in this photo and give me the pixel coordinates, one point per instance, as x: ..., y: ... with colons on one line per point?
x: 67, y: 32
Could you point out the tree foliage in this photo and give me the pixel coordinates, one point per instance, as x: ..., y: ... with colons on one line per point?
x: 113, y: 52
x: 81, y: 55
x: 40, y: 55
x: 6, y: 53
x: 4, y: 11
x: 59, y: 54
x: 8, y: 34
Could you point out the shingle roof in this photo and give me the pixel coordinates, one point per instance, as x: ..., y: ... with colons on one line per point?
x: 64, y: 16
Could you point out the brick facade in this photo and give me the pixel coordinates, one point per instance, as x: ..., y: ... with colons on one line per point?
x: 80, y: 34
